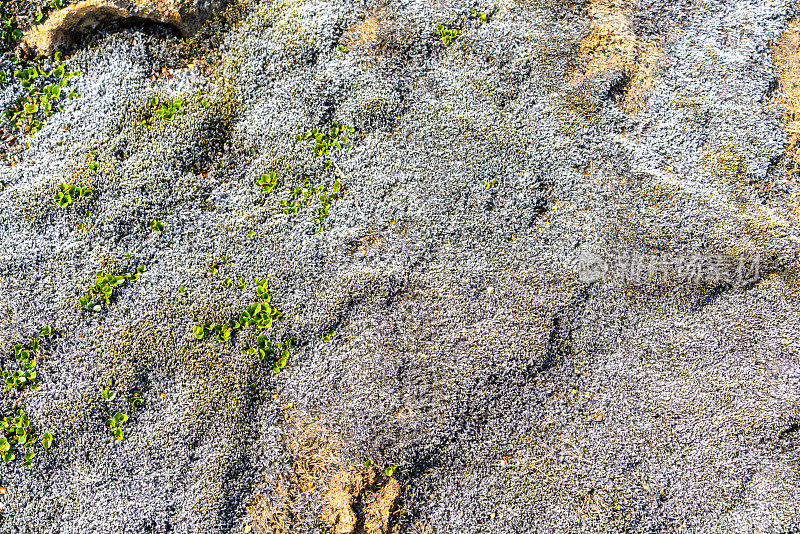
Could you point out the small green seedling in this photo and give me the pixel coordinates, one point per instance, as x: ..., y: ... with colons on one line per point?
x: 328, y: 336
x: 215, y: 267
x: 136, y: 400
x: 19, y: 434
x: 44, y: 96
x: 25, y: 377
x: 490, y: 185
x: 279, y: 355
x: 391, y: 469
x: 268, y: 181
x: 325, y: 142
x: 447, y: 35
x: 104, y: 286
x: 343, y: 49
x: 157, y: 226
x: 68, y: 193
x: 167, y: 110
x: 182, y: 289
x: 56, y: 4
x: 9, y: 32
x: 480, y: 16
x: 115, y: 420
x: 114, y: 424
x: 369, y: 463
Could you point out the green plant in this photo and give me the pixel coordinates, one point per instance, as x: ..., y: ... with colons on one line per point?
x: 104, y: 286
x: 19, y: 434
x: 343, y: 49
x: 490, y: 185
x: 166, y: 110
x: 480, y: 16
x: 68, y: 193
x: 268, y: 182
x: 9, y: 32
x: 157, y: 226
x: 56, y: 4
x: 215, y: 267
x: 182, y: 289
x: 447, y: 35
x: 279, y: 355
x: 325, y: 142
x: 327, y: 337
x: 391, y: 469
x: 115, y: 419
x: 369, y: 463
x: 114, y: 424
x: 290, y: 206
x: 26, y: 354
x: 306, y: 194
x: 260, y: 315
x: 136, y: 400
x: 44, y: 96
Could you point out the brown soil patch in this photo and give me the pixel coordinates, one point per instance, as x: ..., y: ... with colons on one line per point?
x: 786, y: 57
x: 612, y: 50
x: 366, y: 33
x: 358, y: 500
x: 364, y: 490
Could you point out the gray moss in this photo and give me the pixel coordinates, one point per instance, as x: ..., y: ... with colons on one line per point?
x: 514, y: 396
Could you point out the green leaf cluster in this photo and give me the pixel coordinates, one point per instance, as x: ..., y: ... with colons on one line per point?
x: 215, y: 267
x: 305, y: 195
x: 279, y: 355
x: 492, y: 184
x: 447, y: 35
x: 114, y: 424
x: 26, y: 354
x: 68, y: 193
x: 157, y: 226
x: 325, y: 142
x: 104, y: 286
x: 259, y: 314
x: 45, y: 96
x: 9, y: 32
x: 166, y: 110
x: 19, y: 434
x: 115, y: 420
x: 479, y: 15
x: 328, y: 336
x: 269, y: 181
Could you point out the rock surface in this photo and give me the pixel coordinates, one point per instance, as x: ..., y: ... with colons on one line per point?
x: 580, y: 346
x: 80, y: 18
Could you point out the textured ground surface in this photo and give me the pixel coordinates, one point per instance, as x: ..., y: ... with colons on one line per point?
x: 514, y: 395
